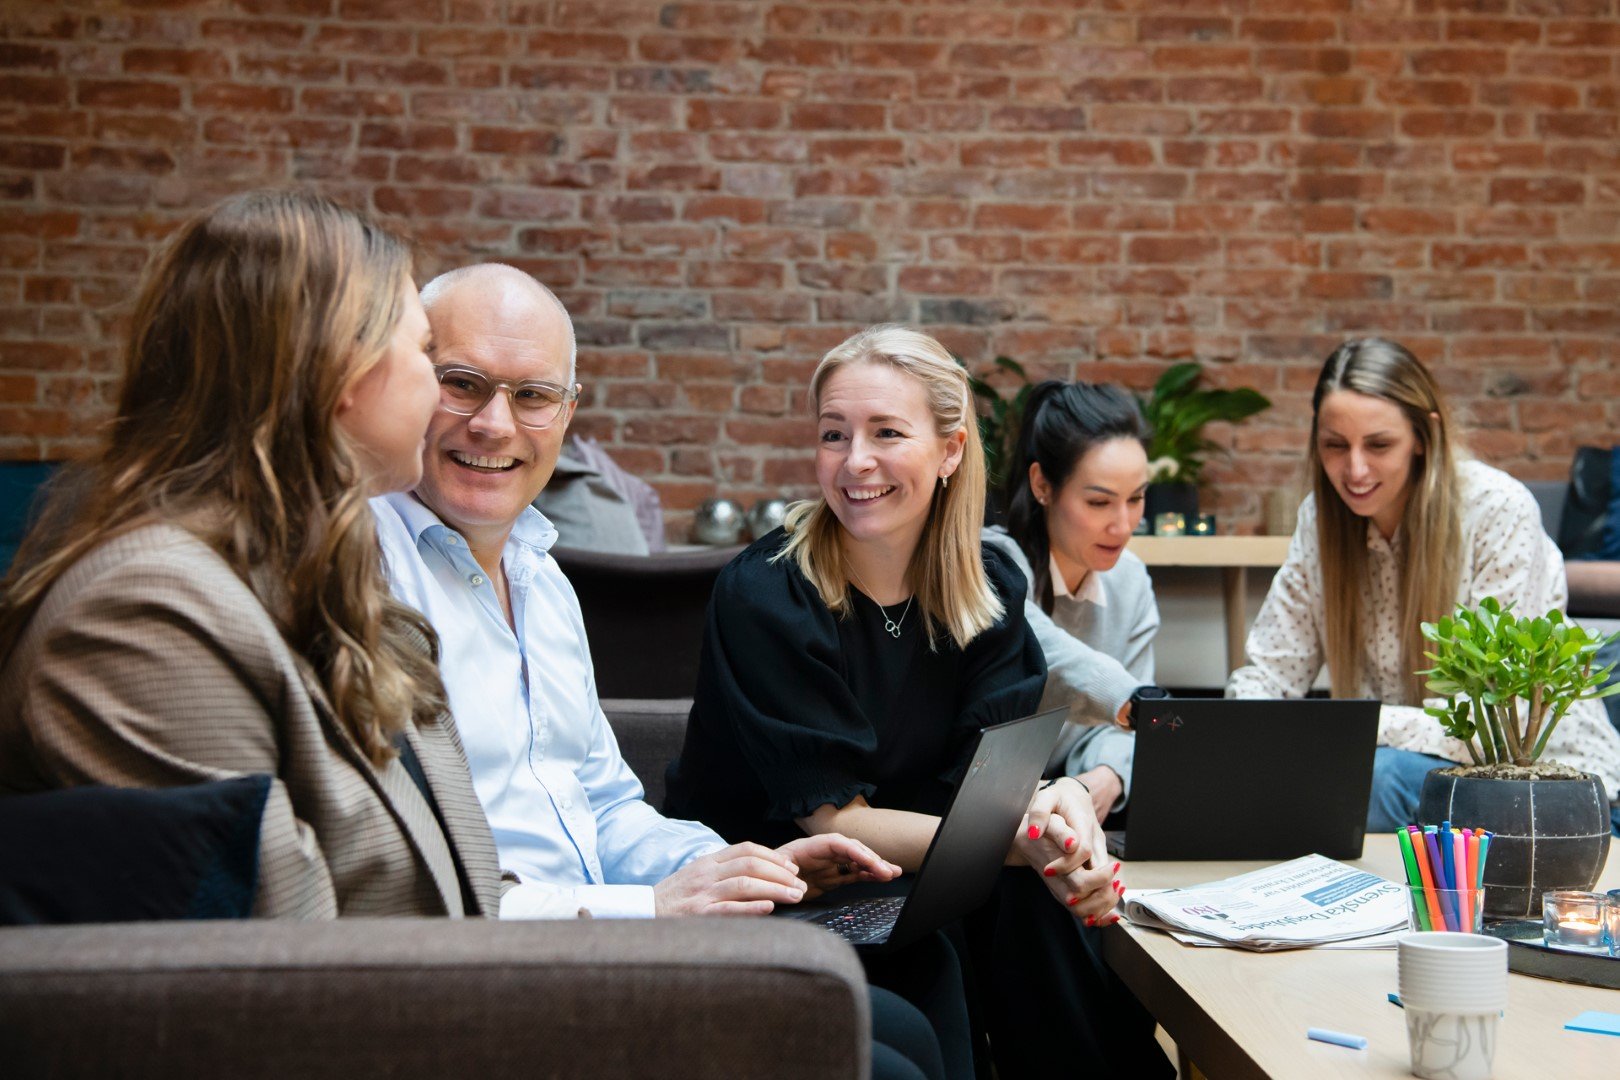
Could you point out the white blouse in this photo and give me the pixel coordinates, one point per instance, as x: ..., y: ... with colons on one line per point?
x: 1508, y: 555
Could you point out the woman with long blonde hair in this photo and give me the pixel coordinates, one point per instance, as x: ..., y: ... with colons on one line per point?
x: 207, y: 599
x: 850, y: 658
x: 1400, y: 528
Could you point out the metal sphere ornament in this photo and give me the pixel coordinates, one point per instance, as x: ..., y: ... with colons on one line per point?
x: 765, y: 515
x: 717, y: 522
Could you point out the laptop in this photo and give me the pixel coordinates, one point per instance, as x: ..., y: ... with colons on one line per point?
x: 1235, y: 778
x: 965, y: 857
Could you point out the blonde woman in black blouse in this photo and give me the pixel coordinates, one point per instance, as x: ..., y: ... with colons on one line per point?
x: 848, y: 660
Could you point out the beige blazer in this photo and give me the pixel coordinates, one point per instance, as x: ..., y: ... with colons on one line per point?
x: 151, y: 664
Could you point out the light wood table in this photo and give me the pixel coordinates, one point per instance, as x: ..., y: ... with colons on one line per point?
x: 1237, y: 1014
x: 1232, y: 555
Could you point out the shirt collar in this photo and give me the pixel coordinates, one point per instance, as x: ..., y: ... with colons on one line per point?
x: 532, y: 529
x: 1090, y: 588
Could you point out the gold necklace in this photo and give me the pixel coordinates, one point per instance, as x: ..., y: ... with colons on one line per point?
x: 891, y: 625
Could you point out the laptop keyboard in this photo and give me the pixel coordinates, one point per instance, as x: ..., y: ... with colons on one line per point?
x: 862, y: 922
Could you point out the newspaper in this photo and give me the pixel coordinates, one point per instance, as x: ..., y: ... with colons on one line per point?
x: 1311, y: 901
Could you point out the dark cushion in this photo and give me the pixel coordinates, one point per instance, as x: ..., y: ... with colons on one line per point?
x: 650, y: 734
x: 1587, y: 510
x: 104, y: 854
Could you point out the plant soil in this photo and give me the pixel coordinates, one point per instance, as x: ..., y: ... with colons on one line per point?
x: 1541, y: 770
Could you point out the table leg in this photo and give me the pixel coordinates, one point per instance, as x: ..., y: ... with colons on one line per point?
x: 1235, y: 590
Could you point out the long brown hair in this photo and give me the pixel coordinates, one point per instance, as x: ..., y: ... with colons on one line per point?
x: 250, y: 325
x: 947, y: 569
x: 1430, y: 567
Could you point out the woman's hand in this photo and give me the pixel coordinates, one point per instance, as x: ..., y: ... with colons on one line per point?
x: 828, y: 860
x: 1105, y: 787
x: 1061, y: 839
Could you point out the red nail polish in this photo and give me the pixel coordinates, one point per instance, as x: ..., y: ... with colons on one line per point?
x: 1068, y: 845
x: 1116, y: 868
x: 1049, y: 872
x: 1073, y: 900
x: 1091, y: 920
x: 1034, y: 833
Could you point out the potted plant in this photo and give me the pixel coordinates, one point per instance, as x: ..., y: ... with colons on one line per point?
x: 999, y: 421
x: 1507, y: 682
x: 1176, y: 411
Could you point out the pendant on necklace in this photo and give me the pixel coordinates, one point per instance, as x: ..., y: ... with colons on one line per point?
x: 891, y: 626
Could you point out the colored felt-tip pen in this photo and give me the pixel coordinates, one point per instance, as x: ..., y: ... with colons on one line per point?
x: 1337, y: 1038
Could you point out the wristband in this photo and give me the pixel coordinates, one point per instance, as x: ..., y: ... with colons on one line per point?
x: 1055, y: 779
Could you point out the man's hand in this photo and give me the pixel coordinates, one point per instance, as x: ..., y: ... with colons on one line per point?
x: 1106, y: 788
x: 1061, y: 839
x: 828, y: 860
x: 743, y: 879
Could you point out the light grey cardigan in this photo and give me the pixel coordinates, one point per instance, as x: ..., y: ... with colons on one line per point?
x: 1096, y: 656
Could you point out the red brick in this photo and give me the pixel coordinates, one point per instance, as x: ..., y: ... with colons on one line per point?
x: 818, y: 117
x: 958, y: 281
x: 1173, y: 250
x: 110, y: 93
x: 703, y: 115
x: 1474, y: 62
x: 1495, y: 155
x: 1003, y: 153
x: 1545, y: 190
x: 1500, y: 256
x: 560, y: 46
x: 1184, y: 28
x: 1409, y: 221
x: 1579, y: 125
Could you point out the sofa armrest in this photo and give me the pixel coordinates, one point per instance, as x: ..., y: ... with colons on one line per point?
x: 405, y: 998
x: 1594, y: 587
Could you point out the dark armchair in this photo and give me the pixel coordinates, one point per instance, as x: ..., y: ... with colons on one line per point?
x: 644, y: 615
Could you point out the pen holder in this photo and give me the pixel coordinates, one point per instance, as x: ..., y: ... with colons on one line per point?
x: 1458, y: 910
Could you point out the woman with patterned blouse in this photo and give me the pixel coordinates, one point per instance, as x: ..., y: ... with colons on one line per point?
x: 1397, y: 531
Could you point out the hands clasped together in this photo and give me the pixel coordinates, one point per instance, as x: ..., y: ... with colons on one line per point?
x: 751, y: 879
x: 1061, y: 838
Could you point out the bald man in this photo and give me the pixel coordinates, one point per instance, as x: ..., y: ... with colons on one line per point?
x: 468, y: 550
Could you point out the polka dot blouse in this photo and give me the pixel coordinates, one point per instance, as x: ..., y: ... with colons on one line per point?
x: 1508, y: 556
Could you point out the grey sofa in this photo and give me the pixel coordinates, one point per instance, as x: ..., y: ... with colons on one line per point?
x: 415, y: 998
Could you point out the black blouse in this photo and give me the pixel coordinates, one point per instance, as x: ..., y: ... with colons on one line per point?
x: 796, y: 707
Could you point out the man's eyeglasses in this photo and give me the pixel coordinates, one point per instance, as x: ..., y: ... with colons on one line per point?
x: 535, y: 404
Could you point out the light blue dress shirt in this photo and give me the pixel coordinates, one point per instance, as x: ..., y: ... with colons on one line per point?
x: 568, y: 814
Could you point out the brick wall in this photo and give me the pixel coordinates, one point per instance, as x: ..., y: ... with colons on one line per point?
x: 722, y: 190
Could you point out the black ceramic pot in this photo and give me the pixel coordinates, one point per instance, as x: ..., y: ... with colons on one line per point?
x: 1168, y: 498
x: 1550, y: 834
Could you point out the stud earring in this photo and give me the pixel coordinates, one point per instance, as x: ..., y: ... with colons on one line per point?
x: 944, y: 481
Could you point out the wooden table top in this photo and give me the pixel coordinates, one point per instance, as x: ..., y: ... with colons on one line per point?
x: 1242, y: 1014
x: 1210, y: 550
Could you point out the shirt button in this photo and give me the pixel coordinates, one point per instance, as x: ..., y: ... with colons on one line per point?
x: 477, y: 579
x: 452, y: 540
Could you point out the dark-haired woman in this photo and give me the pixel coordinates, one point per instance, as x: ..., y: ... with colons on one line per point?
x: 1075, y: 490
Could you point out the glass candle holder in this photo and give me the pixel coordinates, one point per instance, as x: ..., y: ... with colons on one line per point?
x: 1144, y: 527
x: 1202, y: 525
x: 1612, y: 919
x: 1169, y: 523
x: 1574, y: 920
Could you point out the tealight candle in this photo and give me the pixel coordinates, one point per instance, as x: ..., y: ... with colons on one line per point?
x: 1203, y: 525
x: 1169, y: 524
x: 1573, y: 920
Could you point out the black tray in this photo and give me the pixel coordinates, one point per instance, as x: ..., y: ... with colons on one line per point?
x: 1530, y: 955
